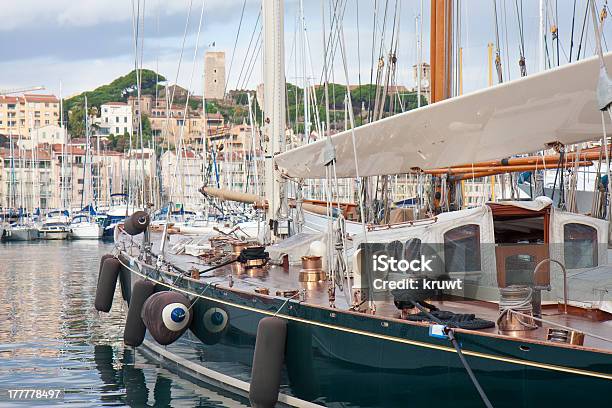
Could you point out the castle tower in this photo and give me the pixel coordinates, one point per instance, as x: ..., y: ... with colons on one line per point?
x: 214, y: 74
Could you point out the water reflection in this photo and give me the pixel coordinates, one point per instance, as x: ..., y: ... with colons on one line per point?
x: 51, y: 337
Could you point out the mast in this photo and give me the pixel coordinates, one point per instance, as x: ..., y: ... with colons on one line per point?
x: 62, y: 184
x: 542, y: 36
x: 274, y: 102
x: 441, y: 49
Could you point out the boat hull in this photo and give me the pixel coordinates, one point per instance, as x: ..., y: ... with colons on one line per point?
x: 334, y: 356
x: 93, y: 231
x: 53, y: 235
x: 20, y: 234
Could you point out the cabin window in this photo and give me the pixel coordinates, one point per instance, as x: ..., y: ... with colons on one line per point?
x: 579, y: 246
x: 519, y: 269
x: 462, y: 249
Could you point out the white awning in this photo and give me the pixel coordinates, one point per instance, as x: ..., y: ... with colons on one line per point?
x: 520, y: 116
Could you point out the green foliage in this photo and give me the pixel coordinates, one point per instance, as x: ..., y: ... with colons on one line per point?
x: 120, y: 143
x: 116, y: 91
x: 76, y: 121
x: 147, y: 132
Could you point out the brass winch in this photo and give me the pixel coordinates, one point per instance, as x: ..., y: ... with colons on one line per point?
x: 516, y: 310
x: 312, y: 269
x: 252, y: 259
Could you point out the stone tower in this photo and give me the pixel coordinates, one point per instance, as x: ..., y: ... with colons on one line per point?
x: 214, y: 75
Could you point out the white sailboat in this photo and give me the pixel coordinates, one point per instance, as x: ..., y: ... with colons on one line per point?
x: 55, y: 226
x: 84, y: 226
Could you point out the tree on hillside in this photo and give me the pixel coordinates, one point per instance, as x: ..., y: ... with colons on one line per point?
x: 116, y: 91
x: 76, y: 122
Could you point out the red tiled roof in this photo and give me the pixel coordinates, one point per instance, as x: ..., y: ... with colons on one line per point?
x: 8, y: 99
x: 41, y: 98
x: 68, y: 149
x: 115, y: 104
x: 41, y: 155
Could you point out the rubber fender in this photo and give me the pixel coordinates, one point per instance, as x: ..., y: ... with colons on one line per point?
x: 135, y: 329
x: 210, y: 321
x: 136, y: 223
x: 167, y: 316
x: 102, y: 259
x: 268, y: 362
x: 107, y: 281
x: 125, y: 280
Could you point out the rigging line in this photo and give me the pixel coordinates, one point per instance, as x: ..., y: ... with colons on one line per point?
x: 178, y: 70
x: 380, y: 58
x: 352, y: 121
x: 505, y: 22
x: 254, y: 59
x: 358, y: 51
x: 249, y: 61
x: 332, y: 42
x: 139, y: 94
x: 249, y: 47
x: 135, y: 34
x: 584, y: 24
x: 229, y: 72
x: 572, y: 35
x: 180, y: 148
x: 519, y: 16
x: 375, y: 16
x: 497, y: 53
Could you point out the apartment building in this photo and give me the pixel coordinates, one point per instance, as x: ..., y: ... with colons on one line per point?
x: 116, y: 118
x: 20, y: 115
x: 170, y: 125
x: 26, y: 178
x: 46, y: 135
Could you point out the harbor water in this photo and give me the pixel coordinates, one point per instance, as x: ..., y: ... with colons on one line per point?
x: 52, y: 338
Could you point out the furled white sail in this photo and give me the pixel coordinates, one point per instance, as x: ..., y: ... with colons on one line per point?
x: 520, y: 116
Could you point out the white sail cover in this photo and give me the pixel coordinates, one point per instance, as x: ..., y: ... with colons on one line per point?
x: 516, y: 117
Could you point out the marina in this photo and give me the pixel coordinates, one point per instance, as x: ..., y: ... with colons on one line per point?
x: 407, y: 207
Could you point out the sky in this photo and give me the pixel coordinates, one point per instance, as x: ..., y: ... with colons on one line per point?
x: 87, y: 43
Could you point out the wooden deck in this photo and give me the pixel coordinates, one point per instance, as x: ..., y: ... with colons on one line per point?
x: 278, y: 278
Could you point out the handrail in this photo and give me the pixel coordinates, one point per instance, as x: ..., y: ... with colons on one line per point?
x: 542, y: 262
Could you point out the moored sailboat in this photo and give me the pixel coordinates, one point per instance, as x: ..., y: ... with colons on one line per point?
x: 310, y: 323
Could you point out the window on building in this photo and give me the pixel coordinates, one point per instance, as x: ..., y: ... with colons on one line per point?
x: 125, y: 119
x: 580, y: 246
x: 47, y: 122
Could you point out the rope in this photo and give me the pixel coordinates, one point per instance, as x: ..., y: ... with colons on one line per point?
x: 229, y: 72
x: 285, y: 303
x: 510, y: 301
x: 451, y: 336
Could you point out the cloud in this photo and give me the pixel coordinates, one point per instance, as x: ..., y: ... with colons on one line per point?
x: 87, y: 43
x: 88, y: 13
